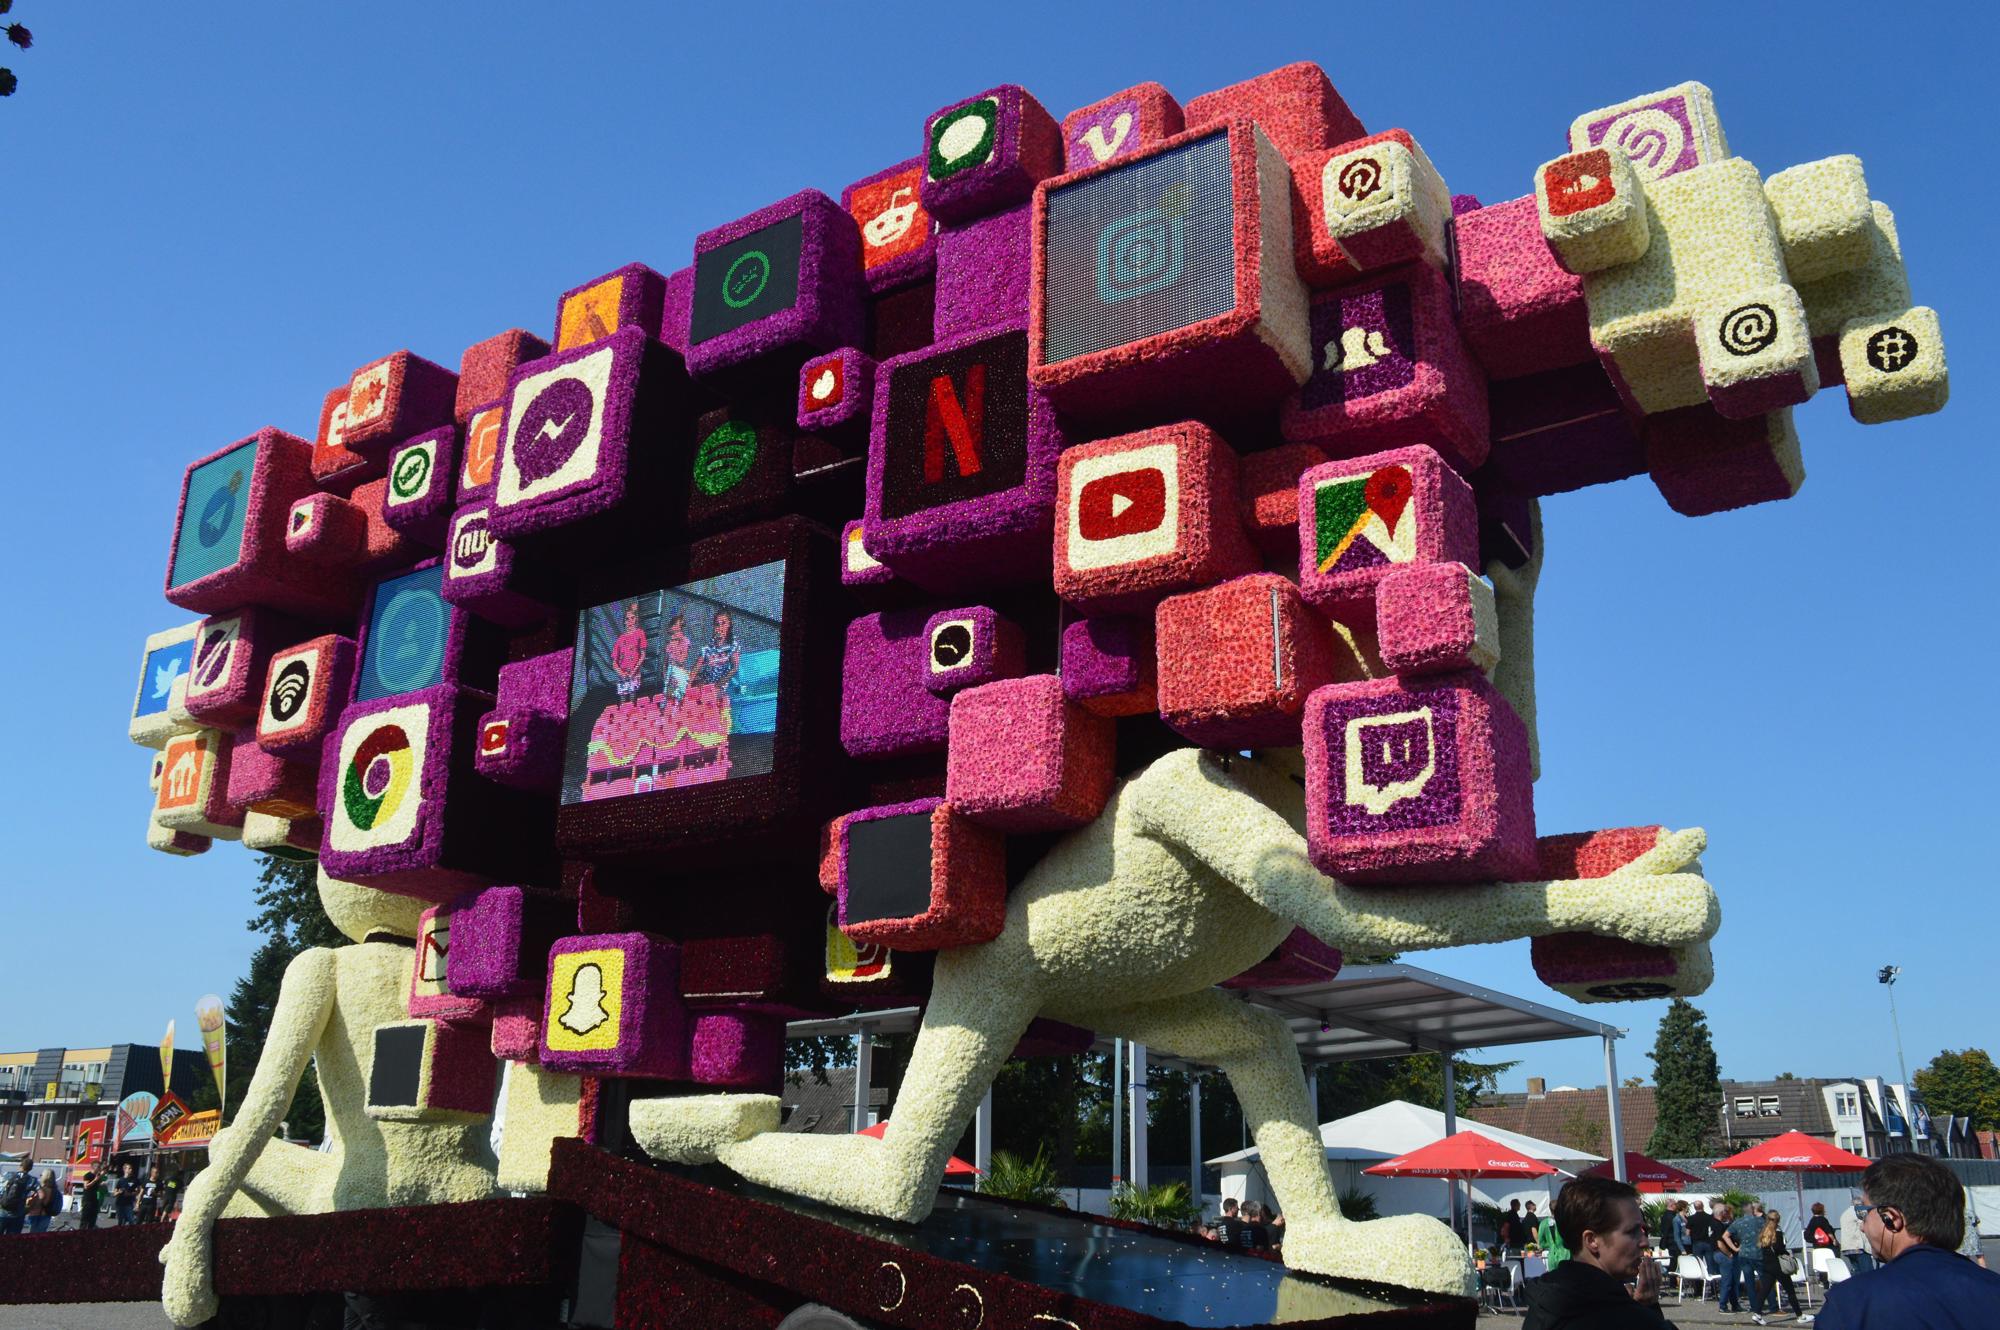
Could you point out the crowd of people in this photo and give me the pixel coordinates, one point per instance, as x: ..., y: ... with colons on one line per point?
x: 30, y: 1204
x: 1911, y: 1236
x: 1251, y: 1227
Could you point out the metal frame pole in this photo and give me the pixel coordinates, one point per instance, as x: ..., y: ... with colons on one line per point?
x: 864, y: 1068
x: 1141, y: 1173
x: 982, y: 1135
x: 1611, y: 1106
x: 1117, y: 1112
x: 1194, y: 1133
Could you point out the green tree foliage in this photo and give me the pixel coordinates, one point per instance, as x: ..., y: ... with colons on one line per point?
x: 1350, y: 1087
x: 290, y: 918
x: 1688, y: 1084
x: 1963, y: 1084
x: 1013, y: 1178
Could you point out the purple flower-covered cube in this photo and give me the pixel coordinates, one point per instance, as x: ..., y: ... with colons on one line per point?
x: 413, y: 638
x: 1418, y: 781
x: 1126, y: 122
x: 983, y: 271
x: 742, y: 470
x: 484, y: 576
x: 987, y: 152
x: 898, y: 238
x: 520, y: 740
x: 613, y: 1007
x: 970, y: 646
x: 1519, y: 311
x: 1561, y: 430
x: 1704, y: 463
x: 500, y: 940
x: 261, y: 782
x: 1388, y: 369
x: 418, y: 497
x: 573, y: 445
x: 962, y: 466
x: 737, y: 1050
x: 229, y: 534
x: 886, y: 706
x: 785, y: 279
x: 1363, y: 516
x: 629, y: 297
x: 1108, y: 664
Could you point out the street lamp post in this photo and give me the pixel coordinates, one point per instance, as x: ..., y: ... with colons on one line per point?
x: 1887, y: 977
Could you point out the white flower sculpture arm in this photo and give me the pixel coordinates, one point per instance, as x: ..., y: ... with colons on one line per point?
x: 1514, y: 603
x: 1191, y: 799
x: 305, y: 1003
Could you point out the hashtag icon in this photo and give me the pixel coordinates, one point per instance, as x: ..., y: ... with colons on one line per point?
x: 1891, y: 349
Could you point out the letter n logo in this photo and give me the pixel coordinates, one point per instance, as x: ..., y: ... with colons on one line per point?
x: 957, y: 421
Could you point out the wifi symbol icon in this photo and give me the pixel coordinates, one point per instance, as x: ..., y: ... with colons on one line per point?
x: 289, y: 690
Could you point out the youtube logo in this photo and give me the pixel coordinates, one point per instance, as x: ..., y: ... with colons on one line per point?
x: 1144, y: 515
x: 1124, y: 507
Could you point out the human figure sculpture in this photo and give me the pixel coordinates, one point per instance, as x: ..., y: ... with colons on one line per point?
x: 332, y: 1001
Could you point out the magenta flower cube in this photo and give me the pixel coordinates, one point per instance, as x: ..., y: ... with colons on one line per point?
x: 1418, y: 780
x: 485, y: 576
x: 1296, y: 105
x: 919, y: 876
x: 520, y: 740
x: 986, y: 153
x: 1519, y: 310
x: 1363, y: 516
x: 262, y: 782
x: 983, y: 267
x: 500, y: 940
x: 305, y: 687
x: 1108, y: 664
x: 962, y: 466
x: 1237, y: 662
x: 898, y: 237
x: 887, y: 708
x: 1024, y: 758
x: 1163, y: 282
x: 1436, y: 618
x: 736, y: 1050
x: 229, y: 534
x: 786, y: 280
x: 225, y: 677
x: 1126, y: 122
x: 612, y: 1007
x: 391, y: 399
x: 968, y: 646
x: 1389, y: 368
x: 1704, y: 462
x: 1143, y: 515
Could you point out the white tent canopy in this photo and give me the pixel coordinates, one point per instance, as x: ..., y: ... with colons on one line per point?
x: 1395, y: 1128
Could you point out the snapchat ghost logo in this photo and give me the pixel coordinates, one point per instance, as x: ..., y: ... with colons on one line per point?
x: 586, y: 1001
x: 585, y: 990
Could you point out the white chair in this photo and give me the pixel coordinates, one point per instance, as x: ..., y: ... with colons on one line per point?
x: 1833, y: 1266
x: 1691, y: 1267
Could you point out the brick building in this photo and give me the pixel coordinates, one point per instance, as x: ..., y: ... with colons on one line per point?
x: 45, y: 1092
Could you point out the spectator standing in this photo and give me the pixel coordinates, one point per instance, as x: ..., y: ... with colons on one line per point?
x: 14, y: 1192
x: 1225, y: 1228
x: 1254, y: 1234
x: 150, y: 1192
x: 124, y: 1195
x: 1509, y: 1235
x: 1701, y: 1235
x: 1602, y: 1226
x: 1549, y: 1235
x: 44, y: 1203
x: 1912, y: 1213
x: 1820, y: 1233
x: 1969, y: 1247
x: 1853, y: 1242
x: 1771, y: 1252
x: 88, y: 1202
x: 1670, y: 1235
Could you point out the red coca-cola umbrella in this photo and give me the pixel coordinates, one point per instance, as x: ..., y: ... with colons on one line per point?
x: 1798, y: 1154
x: 954, y: 1167
x: 1645, y: 1173
x: 1462, y: 1155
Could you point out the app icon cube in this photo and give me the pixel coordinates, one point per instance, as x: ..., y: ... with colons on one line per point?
x: 486, y: 366
x: 898, y: 238
x: 483, y: 575
x: 787, y: 278
x: 1592, y: 210
x: 837, y: 394
x: 335, y: 465
x: 305, y: 688
x: 1361, y: 517
x: 1119, y: 125
x: 1163, y: 280
x: 742, y: 469
x: 1377, y: 202
x: 417, y: 497
x: 962, y: 465
x: 1143, y: 515
x: 1389, y: 368
x: 480, y: 456
x: 229, y: 535
x: 520, y: 740
x: 987, y: 152
x: 430, y: 1071
x: 413, y: 639
x: 970, y: 646
x: 627, y: 297
x: 613, y: 1008
x: 1024, y: 758
x: 887, y: 708
x: 1418, y: 781
x: 390, y: 399
x: 158, y: 708
x: 432, y: 993
x: 1278, y: 651
x: 1756, y: 355
x: 193, y: 791
x: 1108, y: 664
x: 920, y: 876
x: 1662, y: 133
x: 569, y: 446
x: 857, y: 566
x: 1894, y: 365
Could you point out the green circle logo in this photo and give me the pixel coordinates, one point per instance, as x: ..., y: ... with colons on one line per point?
x: 725, y: 457
x: 746, y: 279
x: 413, y: 469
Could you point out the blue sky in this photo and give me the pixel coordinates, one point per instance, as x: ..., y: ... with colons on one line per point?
x: 211, y: 216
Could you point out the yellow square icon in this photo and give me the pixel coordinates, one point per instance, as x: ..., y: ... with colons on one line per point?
x: 591, y: 315
x: 586, y: 993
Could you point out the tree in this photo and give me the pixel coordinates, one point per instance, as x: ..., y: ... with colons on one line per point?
x: 1688, y: 1084
x: 1964, y: 1084
x: 291, y: 920
x: 1350, y: 1087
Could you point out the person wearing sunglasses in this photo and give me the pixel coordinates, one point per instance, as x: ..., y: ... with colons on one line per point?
x: 1912, y: 1213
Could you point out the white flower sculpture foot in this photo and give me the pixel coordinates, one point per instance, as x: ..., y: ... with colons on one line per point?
x: 691, y: 1129
x: 1410, y: 1251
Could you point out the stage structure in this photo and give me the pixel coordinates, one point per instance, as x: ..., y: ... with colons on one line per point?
x: 1080, y: 565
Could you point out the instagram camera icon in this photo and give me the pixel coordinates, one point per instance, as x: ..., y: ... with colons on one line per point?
x: 1143, y: 252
